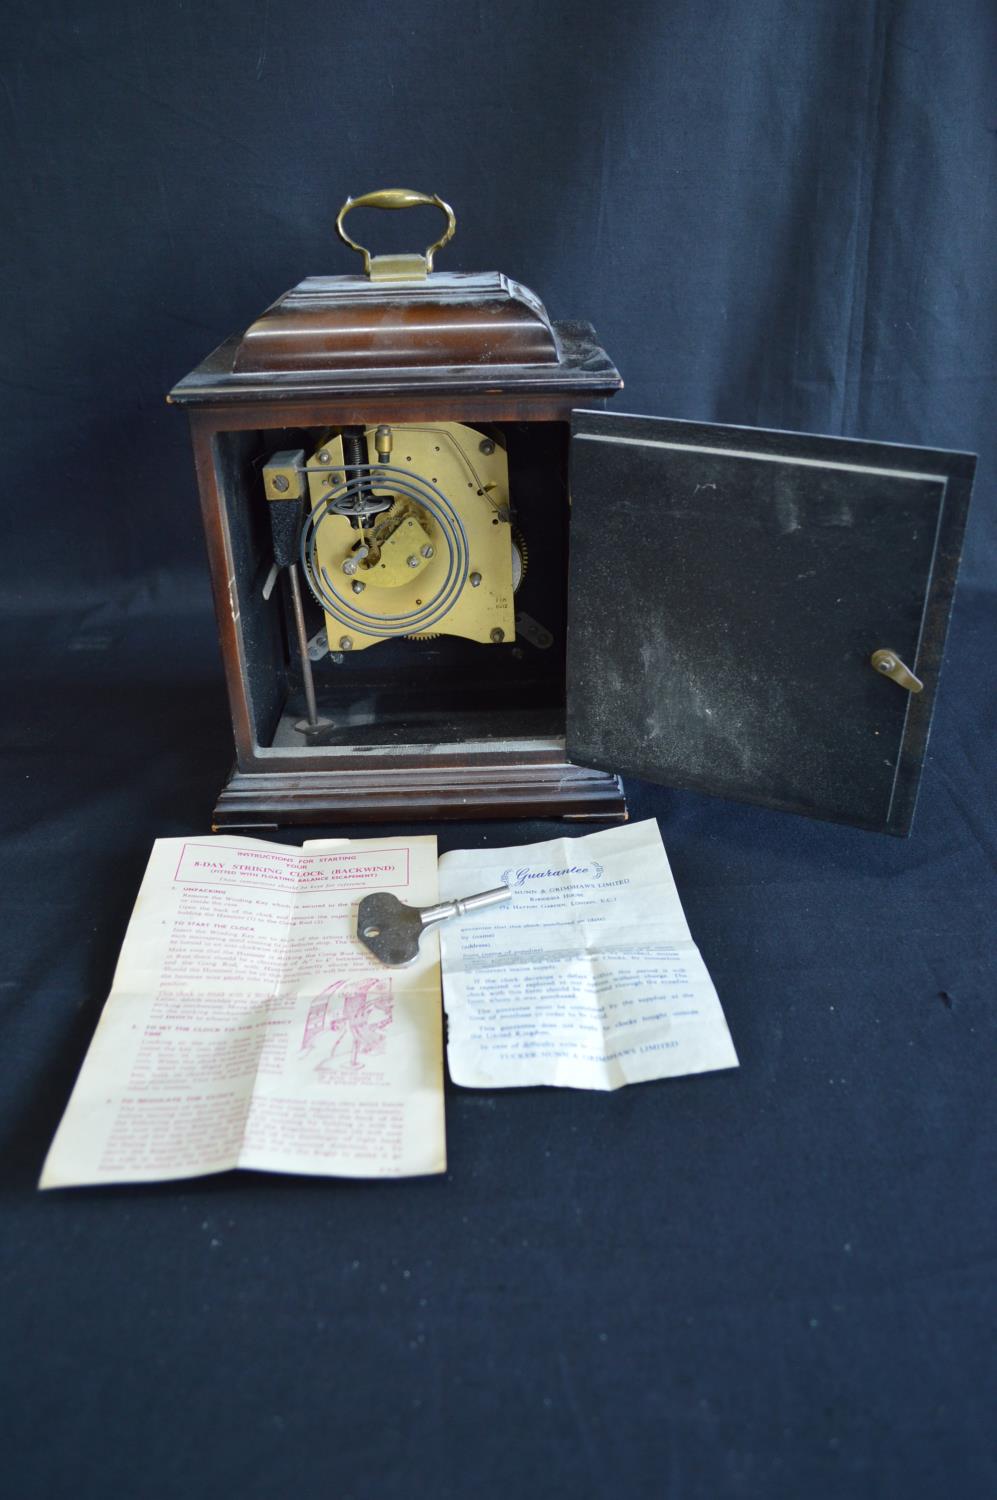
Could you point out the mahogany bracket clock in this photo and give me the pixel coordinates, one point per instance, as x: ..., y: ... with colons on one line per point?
x: 448, y: 584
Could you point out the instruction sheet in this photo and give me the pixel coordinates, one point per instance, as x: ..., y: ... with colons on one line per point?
x: 588, y: 979
x: 246, y: 1026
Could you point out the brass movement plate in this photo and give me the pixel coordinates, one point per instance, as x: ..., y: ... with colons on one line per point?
x: 408, y: 561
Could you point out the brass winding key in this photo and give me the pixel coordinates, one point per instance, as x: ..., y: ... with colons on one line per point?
x: 391, y: 930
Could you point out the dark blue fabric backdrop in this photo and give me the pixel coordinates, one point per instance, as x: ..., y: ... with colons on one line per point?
x: 771, y: 1283
x: 775, y: 212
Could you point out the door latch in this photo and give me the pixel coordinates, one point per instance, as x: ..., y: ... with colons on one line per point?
x: 889, y: 664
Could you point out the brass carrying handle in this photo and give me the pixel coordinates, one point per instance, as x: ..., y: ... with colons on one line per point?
x: 396, y: 198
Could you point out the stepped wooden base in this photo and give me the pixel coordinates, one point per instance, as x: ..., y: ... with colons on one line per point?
x: 273, y: 799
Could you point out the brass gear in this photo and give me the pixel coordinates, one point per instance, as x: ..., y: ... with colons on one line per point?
x: 519, y: 547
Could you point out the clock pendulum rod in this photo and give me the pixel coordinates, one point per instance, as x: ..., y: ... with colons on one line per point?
x: 312, y: 720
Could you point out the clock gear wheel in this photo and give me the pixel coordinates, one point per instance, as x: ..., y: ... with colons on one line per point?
x: 520, y: 558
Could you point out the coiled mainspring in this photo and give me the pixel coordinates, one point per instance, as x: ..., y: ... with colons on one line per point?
x: 347, y: 497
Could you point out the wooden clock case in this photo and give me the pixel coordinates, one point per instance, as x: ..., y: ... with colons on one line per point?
x: 701, y: 607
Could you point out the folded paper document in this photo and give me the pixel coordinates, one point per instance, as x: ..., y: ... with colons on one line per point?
x: 247, y: 1026
x: 589, y: 978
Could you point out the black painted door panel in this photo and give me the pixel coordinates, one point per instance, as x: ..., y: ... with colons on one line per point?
x: 727, y: 589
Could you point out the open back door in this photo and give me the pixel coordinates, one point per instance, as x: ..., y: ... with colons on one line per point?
x: 760, y: 615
